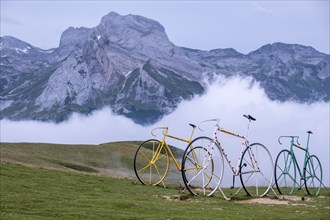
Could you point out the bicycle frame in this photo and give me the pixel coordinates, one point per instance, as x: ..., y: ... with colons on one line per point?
x: 207, y: 173
x: 152, y: 158
x: 245, y: 144
x: 307, y: 155
x: 286, y: 172
x: 164, y: 144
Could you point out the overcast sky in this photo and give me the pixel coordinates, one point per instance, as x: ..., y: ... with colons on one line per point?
x: 242, y: 25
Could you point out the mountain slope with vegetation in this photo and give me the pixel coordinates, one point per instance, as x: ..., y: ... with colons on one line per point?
x: 129, y: 64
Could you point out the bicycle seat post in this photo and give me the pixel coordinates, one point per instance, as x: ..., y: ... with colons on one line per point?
x: 247, y: 129
x: 250, y: 118
x: 192, y: 132
x: 309, y: 133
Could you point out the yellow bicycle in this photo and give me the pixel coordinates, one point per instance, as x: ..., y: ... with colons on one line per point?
x: 152, y: 158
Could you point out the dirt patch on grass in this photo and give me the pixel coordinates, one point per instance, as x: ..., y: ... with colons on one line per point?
x: 282, y: 200
x: 177, y: 198
x: 264, y: 201
x: 295, y: 198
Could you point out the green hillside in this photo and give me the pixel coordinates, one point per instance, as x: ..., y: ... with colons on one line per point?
x: 113, y: 159
x: 51, y: 181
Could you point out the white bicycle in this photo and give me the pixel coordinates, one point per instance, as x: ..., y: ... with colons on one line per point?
x: 203, y: 164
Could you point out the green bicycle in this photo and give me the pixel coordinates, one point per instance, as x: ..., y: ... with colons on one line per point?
x: 286, y: 169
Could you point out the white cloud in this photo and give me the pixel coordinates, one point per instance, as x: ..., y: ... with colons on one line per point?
x: 102, y: 126
x: 226, y: 100
x: 10, y: 21
x: 236, y: 97
x: 261, y: 9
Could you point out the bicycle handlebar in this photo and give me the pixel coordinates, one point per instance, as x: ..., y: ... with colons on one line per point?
x: 163, y: 128
x: 249, y: 117
x: 279, y: 139
x: 215, y: 119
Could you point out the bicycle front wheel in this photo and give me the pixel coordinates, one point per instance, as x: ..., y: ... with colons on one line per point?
x: 285, y: 172
x: 313, y: 175
x: 256, y: 170
x: 202, y: 166
x: 151, y: 162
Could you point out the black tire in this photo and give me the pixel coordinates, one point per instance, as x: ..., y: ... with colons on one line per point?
x: 147, y: 171
x: 313, y: 176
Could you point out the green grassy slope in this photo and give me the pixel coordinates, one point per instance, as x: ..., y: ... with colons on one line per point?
x: 104, y: 158
x: 46, y: 181
x: 115, y: 159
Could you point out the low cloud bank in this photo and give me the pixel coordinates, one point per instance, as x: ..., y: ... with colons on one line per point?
x: 100, y: 127
x: 230, y: 100
x: 227, y: 100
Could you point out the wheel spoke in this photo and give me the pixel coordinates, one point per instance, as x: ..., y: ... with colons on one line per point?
x: 285, y: 172
x: 158, y: 171
x: 200, y: 174
x: 256, y: 170
x: 192, y: 161
x: 313, y: 175
x: 151, y: 162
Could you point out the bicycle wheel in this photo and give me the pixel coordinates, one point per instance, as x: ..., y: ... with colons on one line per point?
x: 313, y: 175
x: 151, y: 162
x: 201, y: 175
x: 256, y: 170
x: 285, y: 172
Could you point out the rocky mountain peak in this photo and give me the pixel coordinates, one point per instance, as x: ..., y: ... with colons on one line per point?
x: 280, y: 48
x: 128, y: 63
x: 15, y: 45
x: 136, y: 22
x: 133, y: 32
x: 12, y: 48
x: 225, y: 52
x: 11, y: 42
x: 72, y: 36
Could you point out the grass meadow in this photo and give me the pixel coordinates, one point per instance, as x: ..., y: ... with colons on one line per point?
x: 51, y: 181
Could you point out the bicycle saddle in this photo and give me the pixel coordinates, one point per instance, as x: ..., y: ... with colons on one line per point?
x: 192, y: 125
x: 249, y: 117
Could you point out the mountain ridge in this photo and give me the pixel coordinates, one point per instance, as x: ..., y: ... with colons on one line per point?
x: 129, y: 63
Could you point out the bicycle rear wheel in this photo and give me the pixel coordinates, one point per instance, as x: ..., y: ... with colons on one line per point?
x: 313, y: 175
x: 202, y: 166
x: 285, y: 172
x: 151, y: 162
x: 256, y: 170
